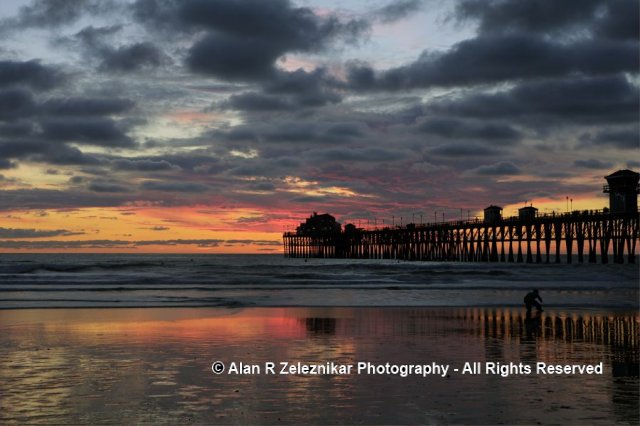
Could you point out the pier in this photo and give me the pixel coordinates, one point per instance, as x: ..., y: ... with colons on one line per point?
x: 606, y: 236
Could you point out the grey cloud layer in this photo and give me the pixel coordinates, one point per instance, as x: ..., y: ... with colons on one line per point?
x: 536, y: 76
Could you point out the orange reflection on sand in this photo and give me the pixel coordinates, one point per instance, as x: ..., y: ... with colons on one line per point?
x: 147, y: 327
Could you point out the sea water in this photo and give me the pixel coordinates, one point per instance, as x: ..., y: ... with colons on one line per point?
x: 132, y: 280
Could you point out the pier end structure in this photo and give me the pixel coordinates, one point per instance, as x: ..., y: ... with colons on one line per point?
x: 622, y: 187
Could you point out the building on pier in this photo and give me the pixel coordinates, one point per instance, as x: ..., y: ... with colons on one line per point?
x: 622, y: 187
x: 493, y: 214
x: 527, y: 213
x: 319, y: 223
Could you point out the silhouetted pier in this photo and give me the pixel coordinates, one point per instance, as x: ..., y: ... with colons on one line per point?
x: 605, y: 236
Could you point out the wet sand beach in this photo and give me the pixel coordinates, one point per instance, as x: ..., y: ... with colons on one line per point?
x: 154, y: 366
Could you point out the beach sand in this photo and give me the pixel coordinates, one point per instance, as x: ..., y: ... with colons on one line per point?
x: 154, y: 366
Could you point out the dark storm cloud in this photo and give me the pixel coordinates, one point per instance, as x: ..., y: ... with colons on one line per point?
x: 66, y: 155
x: 262, y: 186
x: 52, y: 199
x: 265, y: 218
x: 292, y: 28
x: 622, y: 138
x: 502, y: 168
x: 270, y: 165
x: 189, y: 161
x: 308, y: 89
x: 16, y: 103
x: 55, y: 13
x: 15, y: 129
x: 397, y: 10
x: 93, y: 36
x: 246, y: 38
x: 133, y: 58
x: 231, y: 58
x: 174, y: 186
x: 344, y: 131
x: 252, y: 101
x: 598, y: 99
x: 593, y: 164
x: 93, y: 131
x: 144, y: 165
x: 30, y: 73
x: 621, y: 20
x: 497, y: 58
x: 106, y: 186
x: 463, y: 150
x: 235, y: 134
x: 301, y: 82
x: 34, y: 233
x: 312, y: 199
x: 454, y: 128
x: 42, y: 151
x: 87, y: 106
x: 513, y: 45
x: 288, y: 131
x: 253, y: 168
x: 301, y: 132
x: 97, y: 42
x: 22, y: 148
x: 289, y: 91
x: 531, y: 15
x: 352, y: 154
x: 156, y: 14
x: 613, y: 18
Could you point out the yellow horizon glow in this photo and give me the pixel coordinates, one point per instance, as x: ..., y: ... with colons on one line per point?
x: 131, y: 224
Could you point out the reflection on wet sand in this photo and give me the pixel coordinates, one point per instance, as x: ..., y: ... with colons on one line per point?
x: 153, y: 365
x: 316, y: 326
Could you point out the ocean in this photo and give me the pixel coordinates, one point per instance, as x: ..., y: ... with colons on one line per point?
x: 150, y: 280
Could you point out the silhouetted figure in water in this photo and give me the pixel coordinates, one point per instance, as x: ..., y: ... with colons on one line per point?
x: 531, y: 299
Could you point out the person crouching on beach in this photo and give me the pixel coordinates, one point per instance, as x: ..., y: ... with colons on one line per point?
x: 531, y: 300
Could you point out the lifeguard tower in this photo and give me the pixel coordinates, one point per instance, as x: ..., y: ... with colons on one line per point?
x: 622, y: 187
x: 493, y: 214
x: 527, y: 213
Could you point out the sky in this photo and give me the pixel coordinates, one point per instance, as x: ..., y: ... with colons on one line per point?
x: 213, y: 126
